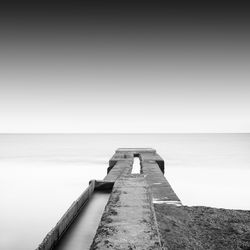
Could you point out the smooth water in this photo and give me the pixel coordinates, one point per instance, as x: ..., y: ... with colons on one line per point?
x: 81, y: 233
x: 41, y: 175
x: 136, y: 169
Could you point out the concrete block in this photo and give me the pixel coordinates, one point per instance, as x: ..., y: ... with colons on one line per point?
x: 128, y: 221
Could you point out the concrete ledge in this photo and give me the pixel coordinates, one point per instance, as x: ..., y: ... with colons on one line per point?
x: 149, y: 157
x: 103, y: 185
x: 52, y: 238
x: 160, y: 187
x: 120, y: 168
x: 120, y: 156
x: 128, y: 221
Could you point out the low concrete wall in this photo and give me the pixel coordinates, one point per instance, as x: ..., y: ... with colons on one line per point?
x: 149, y: 157
x: 56, y: 233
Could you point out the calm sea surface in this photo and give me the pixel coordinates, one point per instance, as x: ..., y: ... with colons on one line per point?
x: 41, y: 175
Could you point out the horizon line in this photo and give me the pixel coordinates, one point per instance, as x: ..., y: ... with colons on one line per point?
x: 114, y: 133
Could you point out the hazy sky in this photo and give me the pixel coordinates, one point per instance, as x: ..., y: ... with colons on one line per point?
x: 124, y: 67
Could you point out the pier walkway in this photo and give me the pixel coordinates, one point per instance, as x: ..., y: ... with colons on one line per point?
x: 128, y: 220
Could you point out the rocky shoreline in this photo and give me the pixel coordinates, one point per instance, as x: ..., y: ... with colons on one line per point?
x: 198, y: 227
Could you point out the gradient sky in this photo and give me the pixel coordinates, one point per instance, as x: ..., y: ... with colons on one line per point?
x: 124, y: 66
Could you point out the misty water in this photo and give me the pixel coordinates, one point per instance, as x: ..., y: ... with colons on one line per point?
x: 82, y: 231
x: 41, y: 175
x: 136, y: 169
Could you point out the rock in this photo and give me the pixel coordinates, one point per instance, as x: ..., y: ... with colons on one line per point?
x: 203, y: 227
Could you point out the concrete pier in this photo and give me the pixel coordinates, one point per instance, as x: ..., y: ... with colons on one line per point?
x: 129, y: 220
x: 152, y: 167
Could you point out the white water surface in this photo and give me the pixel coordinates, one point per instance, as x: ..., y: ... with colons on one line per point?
x: 81, y: 233
x: 41, y: 175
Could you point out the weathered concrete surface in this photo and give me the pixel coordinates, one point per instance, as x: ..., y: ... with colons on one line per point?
x: 128, y: 221
x: 161, y: 189
x: 127, y: 154
x: 120, y: 156
x: 203, y: 228
x: 120, y: 168
x: 149, y: 157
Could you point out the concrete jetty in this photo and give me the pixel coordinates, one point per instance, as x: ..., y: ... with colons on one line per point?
x: 129, y: 220
x: 152, y: 167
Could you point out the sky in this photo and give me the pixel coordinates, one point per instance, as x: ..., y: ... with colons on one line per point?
x: 124, y: 67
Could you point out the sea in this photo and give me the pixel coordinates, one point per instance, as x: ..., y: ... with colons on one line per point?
x: 42, y: 174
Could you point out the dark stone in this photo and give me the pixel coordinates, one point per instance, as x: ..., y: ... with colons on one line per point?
x: 203, y: 227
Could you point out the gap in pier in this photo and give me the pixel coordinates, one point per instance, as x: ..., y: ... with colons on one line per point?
x: 136, y: 165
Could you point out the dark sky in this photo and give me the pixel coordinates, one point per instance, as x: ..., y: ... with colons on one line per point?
x: 124, y: 66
